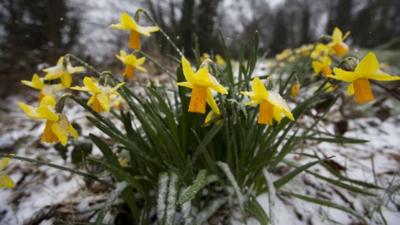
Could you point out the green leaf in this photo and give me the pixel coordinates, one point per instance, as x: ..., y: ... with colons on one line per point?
x: 190, y: 192
x: 327, y: 203
x: 105, y: 149
x: 80, y: 151
x: 62, y: 150
x: 255, y: 209
x: 288, y: 177
x: 225, y: 168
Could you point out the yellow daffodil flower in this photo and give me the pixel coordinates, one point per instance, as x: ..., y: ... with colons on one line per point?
x: 219, y: 60
x: 284, y: 55
x: 131, y: 63
x: 272, y: 105
x: 204, y: 57
x: 44, y: 89
x: 294, y: 89
x: 63, y: 71
x: 57, y: 126
x: 320, y: 50
x: 128, y: 23
x: 367, y: 69
x: 322, y: 66
x: 339, y: 47
x: 101, y: 95
x: 5, y: 181
x: 201, y: 83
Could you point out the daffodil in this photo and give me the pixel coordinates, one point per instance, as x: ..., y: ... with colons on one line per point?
x: 337, y: 44
x: 44, y: 89
x: 367, y: 69
x: 219, y: 60
x: 320, y: 50
x: 131, y: 63
x: 201, y: 83
x: 294, y: 89
x: 101, y: 95
x: 128, y: 23
x: 57, y: 127
x: 63, y: 71
x: 272, y: 105
x: 284, y: 55
x: 5, y: 181
x: 204, y: 57
x: 322, y: 66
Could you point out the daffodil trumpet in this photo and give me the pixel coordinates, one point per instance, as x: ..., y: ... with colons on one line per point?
x: 202, y: 84
x: 359, y: 79
x: 57, y: 127
x: 271, y: 105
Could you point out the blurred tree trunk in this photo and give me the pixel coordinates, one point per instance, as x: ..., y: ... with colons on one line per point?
x: 187, y: 26
x: 280, y: 36
x: 205, y: 32
x: 340, y: 15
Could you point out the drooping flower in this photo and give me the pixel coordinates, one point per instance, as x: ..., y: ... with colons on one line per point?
x: 128, y: 23
x: 201, y: 83
x: 63, y: 71
x: 294, y: 89
x: 322, y: 66
x: 367, y: 69
x: 57, y: 127
x: 337, y: 44
x: 5, y: 181
x: 131, y: 63
x: 101, y: 95
x: 272, y: 105
x: 44, y: 89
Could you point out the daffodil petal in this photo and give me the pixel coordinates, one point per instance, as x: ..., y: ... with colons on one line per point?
x: 211, y: 102
x: 104, y: 100
x: 28, y: 110
x: 368, y: 65
x: 382, y: 77
x: 6, y: 181
x: 185, y: 84
x: 343, y: 75
x: 187, y: 70
x: 66, y: 80
x: 91, y: 85
x: 277, y: 101
x: 350, y: 89
x: 4, y: 163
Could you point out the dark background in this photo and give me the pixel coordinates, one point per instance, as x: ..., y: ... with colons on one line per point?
x: 39, y: 31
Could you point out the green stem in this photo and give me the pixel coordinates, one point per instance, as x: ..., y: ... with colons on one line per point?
x: 55, y: 166
x: 140, y: 10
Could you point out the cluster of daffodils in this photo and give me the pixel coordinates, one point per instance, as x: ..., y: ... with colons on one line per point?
x: 131, y: 61
x: 271, y: 105
x: 59, y: 78
x: 322, y: 56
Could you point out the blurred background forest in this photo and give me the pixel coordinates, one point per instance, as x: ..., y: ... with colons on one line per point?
x: 33, y: 34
